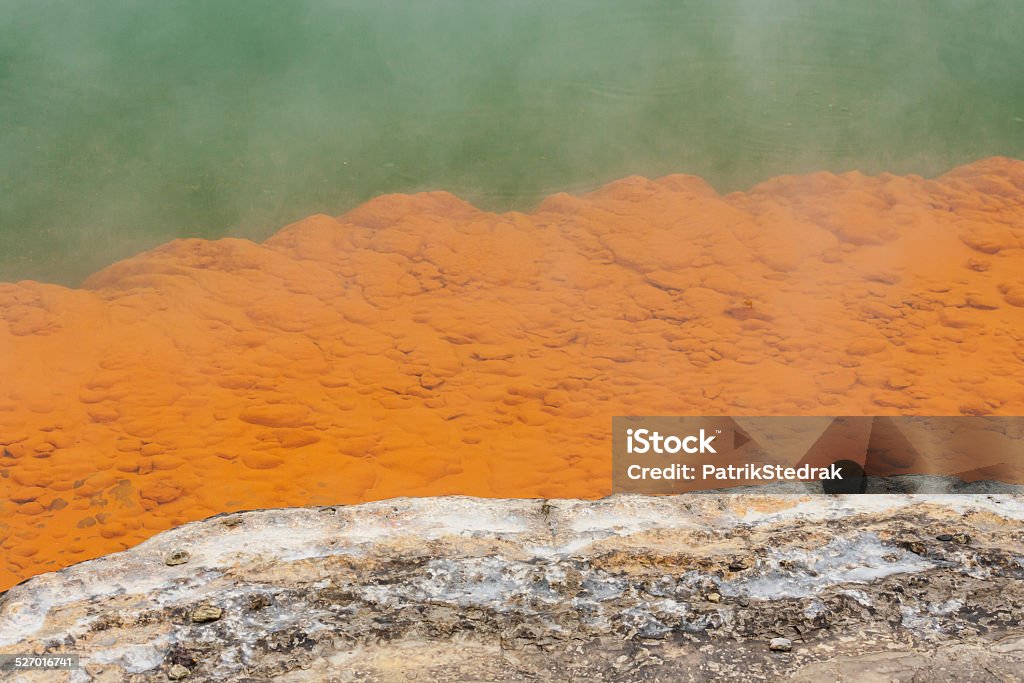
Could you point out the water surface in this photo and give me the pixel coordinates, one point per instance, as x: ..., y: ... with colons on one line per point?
x: 123, y: 124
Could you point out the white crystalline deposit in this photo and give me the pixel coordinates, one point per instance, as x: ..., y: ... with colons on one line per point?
x: 456, y: 588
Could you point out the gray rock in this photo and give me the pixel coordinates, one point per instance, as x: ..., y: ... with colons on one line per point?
x: 780, y: 645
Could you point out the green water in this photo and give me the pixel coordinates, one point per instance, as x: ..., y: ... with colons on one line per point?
x: 123, y: 124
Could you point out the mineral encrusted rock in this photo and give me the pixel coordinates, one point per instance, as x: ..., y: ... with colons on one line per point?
x: 455, y: 589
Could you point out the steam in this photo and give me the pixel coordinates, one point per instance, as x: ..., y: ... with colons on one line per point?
x: 125, y: 124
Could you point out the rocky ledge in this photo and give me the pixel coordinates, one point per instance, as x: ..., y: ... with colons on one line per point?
x: 711, y: 587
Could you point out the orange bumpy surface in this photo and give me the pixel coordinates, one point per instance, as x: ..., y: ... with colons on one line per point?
x: 419, y: 346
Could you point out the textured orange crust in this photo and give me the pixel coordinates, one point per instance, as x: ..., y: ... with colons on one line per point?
x: 419, y: 346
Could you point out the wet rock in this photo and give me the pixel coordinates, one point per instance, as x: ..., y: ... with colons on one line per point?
x: 959, y: 538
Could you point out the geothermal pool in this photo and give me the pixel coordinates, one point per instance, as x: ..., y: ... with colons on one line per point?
x: 488, y: 248
x: 123, y: 125
x: 420, y: 346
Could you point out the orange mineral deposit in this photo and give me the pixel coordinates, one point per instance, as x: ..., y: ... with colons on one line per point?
x: 418, y: 346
